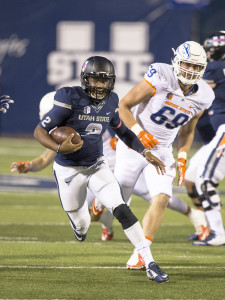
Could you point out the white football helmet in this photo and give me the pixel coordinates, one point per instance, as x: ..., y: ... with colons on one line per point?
x: 46, y: 104
x: 192, y: 53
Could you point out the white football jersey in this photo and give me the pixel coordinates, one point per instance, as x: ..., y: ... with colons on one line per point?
x: 168, y: 108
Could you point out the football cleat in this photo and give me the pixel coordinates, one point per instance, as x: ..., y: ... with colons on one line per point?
x: 154, y: 273
x: 97, y: 208
x: 79, y: 237
x: 106, y: 236
x: 198, y: 220
x: 203, y: 232
x: 213, y: 239
x: 201, y: 235
x: 193, y: 237
x: 135, y: 262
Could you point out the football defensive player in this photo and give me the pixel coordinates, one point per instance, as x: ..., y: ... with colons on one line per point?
x: 90, y: 109
x: 168, y: 101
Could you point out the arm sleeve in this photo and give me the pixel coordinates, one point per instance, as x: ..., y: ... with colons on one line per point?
x: 128, y: 137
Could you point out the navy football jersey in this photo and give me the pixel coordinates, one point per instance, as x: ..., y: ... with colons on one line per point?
x: 215, y: 73
x: 73, y: 108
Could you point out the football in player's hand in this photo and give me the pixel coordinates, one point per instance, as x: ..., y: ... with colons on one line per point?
x: 60, y: 134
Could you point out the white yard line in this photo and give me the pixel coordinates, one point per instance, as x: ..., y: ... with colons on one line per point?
x: 97, y: 267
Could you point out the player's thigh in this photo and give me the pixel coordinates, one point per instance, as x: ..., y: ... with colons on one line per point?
x: 72, y: 187
x: 105, y: 187
x: 159, y: 184
x: 194, y: 164
x: 129, y: 165
x: 213, y: 167
x: 141, y: 189
x: 90, y: 198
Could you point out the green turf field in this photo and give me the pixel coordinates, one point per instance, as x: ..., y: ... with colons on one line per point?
x: 40, y: 258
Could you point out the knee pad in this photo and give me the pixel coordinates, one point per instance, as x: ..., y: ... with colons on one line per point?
x: 125, y: 216
x: 209, y: 197
x: 194, y: 194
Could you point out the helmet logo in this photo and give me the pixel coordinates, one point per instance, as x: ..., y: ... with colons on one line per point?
x: 84, y: 65
x: 184, y: 51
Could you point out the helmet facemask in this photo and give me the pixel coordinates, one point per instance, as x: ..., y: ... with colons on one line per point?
x: 189, y: 62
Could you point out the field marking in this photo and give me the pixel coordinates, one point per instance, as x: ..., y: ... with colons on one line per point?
x: 97, y: 267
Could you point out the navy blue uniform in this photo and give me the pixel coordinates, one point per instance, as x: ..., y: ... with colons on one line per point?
x: 215, y: 116
x: 73, y: 108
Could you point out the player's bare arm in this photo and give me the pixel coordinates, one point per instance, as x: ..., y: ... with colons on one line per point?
x: 186, y: 134
x: 37, y: 164
x: 141, y: 92
x: 184, y: 141
x: 47, y: 141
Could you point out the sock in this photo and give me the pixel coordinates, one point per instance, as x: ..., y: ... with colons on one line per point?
x: 136, y: 235
x: 177, y: 204
x: 215, y: 221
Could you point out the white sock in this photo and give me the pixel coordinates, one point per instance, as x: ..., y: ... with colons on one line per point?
x: 215, y: 221
x: 136, y: 235
x: 177, y: 204
x: 144, y: 250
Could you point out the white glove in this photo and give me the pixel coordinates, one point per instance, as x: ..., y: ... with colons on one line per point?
x: 4, y: 103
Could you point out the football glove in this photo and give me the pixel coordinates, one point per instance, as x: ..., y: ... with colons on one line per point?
x: 181, y: 170
x: 147, y: 139
x: 113, y: 143
x: 21, y: 166
x: 221, y: 148
x: 4, y: 103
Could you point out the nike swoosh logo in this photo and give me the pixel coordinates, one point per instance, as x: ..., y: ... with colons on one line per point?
x: 108, y: 113
x: 192, y: 106
x: 77, y: 237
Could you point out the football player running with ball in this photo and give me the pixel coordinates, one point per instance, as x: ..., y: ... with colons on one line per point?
x: 168, y: 101
x: 90, y: 110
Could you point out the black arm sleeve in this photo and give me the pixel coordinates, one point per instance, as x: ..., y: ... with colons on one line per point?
x: 128, y: 137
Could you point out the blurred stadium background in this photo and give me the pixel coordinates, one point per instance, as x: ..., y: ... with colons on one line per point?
x: 43, y: 44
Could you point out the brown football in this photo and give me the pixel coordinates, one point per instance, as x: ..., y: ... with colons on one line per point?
x: 60, y: 134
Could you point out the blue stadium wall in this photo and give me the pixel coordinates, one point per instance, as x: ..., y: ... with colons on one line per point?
x: 43, y: 44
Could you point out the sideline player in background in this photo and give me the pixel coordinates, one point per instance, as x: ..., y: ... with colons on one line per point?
x: 169, y: 101
x: 205, y: 169
x: 90, y: 109
x: 4, y: 103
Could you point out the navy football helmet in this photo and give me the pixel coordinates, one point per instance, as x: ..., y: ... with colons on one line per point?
x: 100, y: 69
x: 214, y: 46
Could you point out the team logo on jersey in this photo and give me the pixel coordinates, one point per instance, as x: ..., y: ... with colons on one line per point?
x: 87, y: 110
x: 98, y: 107
x: 169, y: 96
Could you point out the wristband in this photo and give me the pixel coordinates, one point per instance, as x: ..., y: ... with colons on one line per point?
x: 31, y: 166
x: 182, y: 155
x: 136, y: 128
x: 144, y: 151
x: 57, y: 151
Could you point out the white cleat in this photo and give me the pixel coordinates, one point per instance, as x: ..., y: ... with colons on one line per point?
x: 136, y: 262
x: 198, y: 220
x: 214, y: 239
